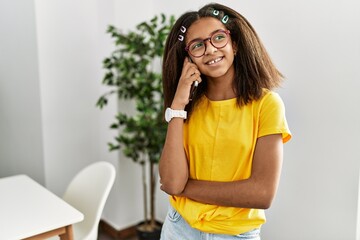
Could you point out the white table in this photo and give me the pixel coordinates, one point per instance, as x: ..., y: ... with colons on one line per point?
x: 30, y: 211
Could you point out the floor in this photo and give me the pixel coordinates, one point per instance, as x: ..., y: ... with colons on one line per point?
x: 103, y: 236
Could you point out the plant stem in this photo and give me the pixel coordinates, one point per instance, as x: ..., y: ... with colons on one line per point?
x: 145, y: 193
x: 152, y: 195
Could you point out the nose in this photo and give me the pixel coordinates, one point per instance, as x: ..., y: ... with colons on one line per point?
x: 209, y: 47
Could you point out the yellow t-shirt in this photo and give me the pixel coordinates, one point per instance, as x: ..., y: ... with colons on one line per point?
x: 219, y: 141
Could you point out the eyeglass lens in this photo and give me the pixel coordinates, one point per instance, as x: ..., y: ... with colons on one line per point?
x: 218, y: 39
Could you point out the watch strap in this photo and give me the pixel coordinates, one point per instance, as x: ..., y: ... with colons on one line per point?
x: 171, y: 113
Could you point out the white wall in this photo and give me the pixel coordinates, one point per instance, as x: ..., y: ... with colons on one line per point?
x: 69, y: 75
x: 21, y: 143
x: 72, y: 44
x: 316, y: 44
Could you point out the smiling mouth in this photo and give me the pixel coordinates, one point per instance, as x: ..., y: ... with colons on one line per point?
x: 214, y: 61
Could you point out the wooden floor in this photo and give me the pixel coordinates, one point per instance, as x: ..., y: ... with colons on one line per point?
x: 104, y: 236
x: 107, y: 232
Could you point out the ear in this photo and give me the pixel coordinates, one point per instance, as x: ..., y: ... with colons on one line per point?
x: 234, y: 46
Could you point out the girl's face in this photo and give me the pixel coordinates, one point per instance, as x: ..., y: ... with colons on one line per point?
x: 216, y: 62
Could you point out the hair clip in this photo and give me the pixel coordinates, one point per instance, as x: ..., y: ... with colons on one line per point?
x: 183, y: 30
x: 225, y: 19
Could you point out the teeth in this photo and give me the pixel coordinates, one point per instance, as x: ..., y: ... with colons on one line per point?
x: 214, y: 61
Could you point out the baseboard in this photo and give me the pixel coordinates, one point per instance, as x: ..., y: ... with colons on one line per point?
x: 117, y: 234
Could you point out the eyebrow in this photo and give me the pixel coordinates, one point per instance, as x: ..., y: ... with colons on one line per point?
x: 208, y: 35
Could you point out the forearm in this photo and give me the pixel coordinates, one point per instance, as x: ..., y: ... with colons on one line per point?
x: 174, y: 171
x: 173, y: 166
x: 249, y: 193
x: 257, y: 191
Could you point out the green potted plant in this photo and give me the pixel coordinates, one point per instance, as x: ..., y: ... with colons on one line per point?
x: 132, y: 72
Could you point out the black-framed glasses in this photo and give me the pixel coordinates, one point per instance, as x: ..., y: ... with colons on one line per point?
x: 218, y: 39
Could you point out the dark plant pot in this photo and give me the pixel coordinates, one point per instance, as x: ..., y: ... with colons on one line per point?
x: 145, y: 234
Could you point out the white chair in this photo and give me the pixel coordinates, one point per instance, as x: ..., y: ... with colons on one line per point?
x: 88, y: 192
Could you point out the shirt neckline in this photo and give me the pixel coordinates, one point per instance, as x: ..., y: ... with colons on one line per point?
x: 220, y: 102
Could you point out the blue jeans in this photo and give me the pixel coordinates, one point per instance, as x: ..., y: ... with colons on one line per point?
x: 176, y: 228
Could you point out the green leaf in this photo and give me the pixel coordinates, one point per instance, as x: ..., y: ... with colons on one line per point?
x: 113, y: 147
x: 132, y: 69
x: 102, y: 101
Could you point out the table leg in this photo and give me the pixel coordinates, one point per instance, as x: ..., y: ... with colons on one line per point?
x: 68, y: 235
x: 65, y: 233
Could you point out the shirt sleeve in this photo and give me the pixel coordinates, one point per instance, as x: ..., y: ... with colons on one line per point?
x: 272, y: 119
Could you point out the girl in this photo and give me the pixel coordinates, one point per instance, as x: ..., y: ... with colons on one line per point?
x: 223, y: 153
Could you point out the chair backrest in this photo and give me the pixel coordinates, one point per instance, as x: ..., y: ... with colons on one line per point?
x: 88, y: 192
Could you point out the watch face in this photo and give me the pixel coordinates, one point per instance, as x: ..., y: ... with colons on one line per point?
x: 168, y: 114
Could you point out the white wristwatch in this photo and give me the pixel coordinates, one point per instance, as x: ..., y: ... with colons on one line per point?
x: 170, y: 113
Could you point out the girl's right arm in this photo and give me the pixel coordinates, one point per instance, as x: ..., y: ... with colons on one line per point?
x: 173, y: 165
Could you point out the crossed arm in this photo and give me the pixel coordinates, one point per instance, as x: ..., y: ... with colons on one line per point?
x: 257, y: 191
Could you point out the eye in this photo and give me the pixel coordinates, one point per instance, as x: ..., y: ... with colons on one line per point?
x: 196, y: 45
x: 218, y: 37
